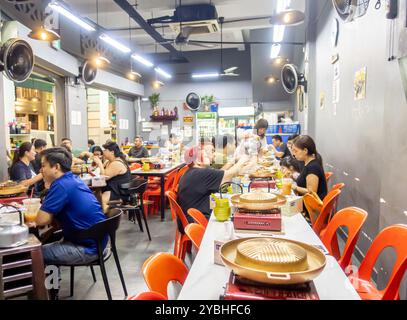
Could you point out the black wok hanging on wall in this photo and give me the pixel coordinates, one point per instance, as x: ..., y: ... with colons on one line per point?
x: 16, y: 59
x: 291, y: 79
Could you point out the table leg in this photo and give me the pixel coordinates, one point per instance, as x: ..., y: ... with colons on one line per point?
x: 162, y: 199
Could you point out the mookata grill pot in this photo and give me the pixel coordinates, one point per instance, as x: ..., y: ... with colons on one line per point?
x: 273, y: 260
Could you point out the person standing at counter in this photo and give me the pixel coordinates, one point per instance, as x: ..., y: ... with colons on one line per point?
x: 72, y: 204
x: 138, y: 151
x: 116, y: 170
x: 260, y: 128
x: 312, y: 177
x: 21, y: 170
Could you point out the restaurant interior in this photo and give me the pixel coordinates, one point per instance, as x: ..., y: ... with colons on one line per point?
x: 203, y: 150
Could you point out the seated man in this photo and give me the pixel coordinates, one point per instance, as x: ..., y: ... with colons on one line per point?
x: 74, y: 207
x: 67, y: 144
x: 199, y: 182
x: 279, y: 147
x: 138, y: 151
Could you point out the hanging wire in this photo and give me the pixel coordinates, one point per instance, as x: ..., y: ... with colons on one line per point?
x: 97, y: 12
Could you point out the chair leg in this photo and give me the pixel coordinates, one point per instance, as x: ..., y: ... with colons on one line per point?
x: 138, y: 216
x: 72, y: 280
x: 116, y: 259
x: 104, y: 276
x: 145, y: 222
x: 93, y: 273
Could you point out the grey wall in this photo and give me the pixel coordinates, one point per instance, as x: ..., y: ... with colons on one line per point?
x: 262, y: 66
x: 125, y: 110
x: 364, y: 143
x: 75, y: 97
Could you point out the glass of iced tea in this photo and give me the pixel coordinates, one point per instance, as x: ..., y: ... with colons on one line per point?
x: 286, y: 186
x: 32, y: 206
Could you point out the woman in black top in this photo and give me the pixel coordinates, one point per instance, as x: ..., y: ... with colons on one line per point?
x: 312, y: 177
x: 116, y: 170
x: 21, y: 170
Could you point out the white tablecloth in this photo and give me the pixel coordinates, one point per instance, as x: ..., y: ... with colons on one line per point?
x: 206, y: 280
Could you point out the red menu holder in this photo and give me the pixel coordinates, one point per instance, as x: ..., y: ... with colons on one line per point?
x: 258, y: 221
x: 242, y: 289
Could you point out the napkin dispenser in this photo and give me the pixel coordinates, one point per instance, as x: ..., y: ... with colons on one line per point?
x: 99, y: 181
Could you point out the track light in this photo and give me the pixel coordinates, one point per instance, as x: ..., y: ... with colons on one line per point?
x: 43, y: 34
x: 288, y: 18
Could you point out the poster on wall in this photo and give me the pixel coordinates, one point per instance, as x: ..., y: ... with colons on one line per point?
x: 359, y: 84
x: 322, y: 100
x: 76, y: 118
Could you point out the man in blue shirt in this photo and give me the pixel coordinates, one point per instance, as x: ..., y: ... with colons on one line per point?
x: 72, y: 204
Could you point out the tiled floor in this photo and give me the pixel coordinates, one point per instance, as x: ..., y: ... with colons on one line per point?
x: 134, y: 248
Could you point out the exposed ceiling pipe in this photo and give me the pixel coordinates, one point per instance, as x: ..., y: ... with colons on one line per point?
x: 129, y: 9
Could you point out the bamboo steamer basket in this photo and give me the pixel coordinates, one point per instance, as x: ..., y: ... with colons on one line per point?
x: 273, y: 260
x: 260, y: 201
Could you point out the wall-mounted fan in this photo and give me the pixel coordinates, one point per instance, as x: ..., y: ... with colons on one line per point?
x: 88, y: 72
x: 193, y: 101
x: 16, y: 59
x: 291, y: 79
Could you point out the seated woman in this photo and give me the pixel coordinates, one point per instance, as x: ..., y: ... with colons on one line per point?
x: 312, y: 177
x: 116, y: 170
x: 21, y: 170
x: 290, y: 167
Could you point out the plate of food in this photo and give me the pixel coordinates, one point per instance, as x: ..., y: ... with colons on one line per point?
x: 9, y: 188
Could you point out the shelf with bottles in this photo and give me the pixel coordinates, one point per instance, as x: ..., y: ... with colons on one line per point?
x: 164, y: 114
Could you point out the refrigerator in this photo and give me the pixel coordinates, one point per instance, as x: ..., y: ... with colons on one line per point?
x: 206, y: 125
x: 232, y: 125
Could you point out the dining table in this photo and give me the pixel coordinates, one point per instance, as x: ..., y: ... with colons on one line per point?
x: 207, y: 280
x: 161, y: 173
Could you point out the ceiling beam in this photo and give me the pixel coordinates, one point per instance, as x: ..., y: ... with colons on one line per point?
x: 129, y: 9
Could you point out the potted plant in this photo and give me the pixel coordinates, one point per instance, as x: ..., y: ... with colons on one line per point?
x: 206, y: 101
x: 154, y: 98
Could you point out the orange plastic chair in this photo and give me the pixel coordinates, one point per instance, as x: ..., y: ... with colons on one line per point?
x: 198, y: 216
x: 328, y: 175
x: 352, y: 218
x: 195, y: 232
x: 326, y: 212
x: 160, y: 269
x: 338, y: 186
x: 148, y: 295
x: 394, y: 236
x: 156, y: 192
x: 178, y: 177
x: 181, y: 240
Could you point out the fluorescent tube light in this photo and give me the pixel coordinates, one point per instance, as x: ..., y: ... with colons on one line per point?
x: 204, y: 75
x: 114, y: 43
x: 163, y: 73
x: 278, y: 33
x: 61, y: 10
x: 275, y: 51
x: 142, y: 60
